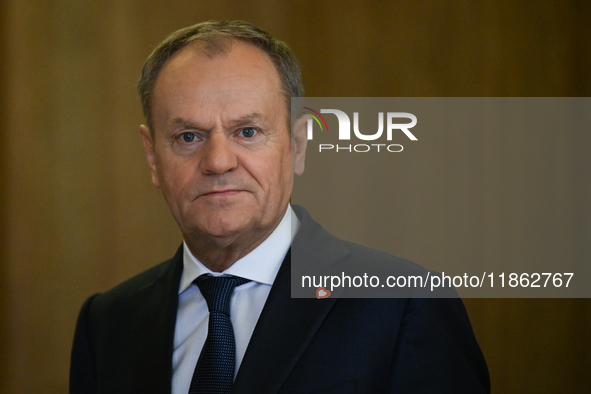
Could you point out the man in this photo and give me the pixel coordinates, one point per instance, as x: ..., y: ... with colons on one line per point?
x: 220, y: 145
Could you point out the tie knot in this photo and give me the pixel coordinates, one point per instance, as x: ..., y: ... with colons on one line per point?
x: 217, y: 291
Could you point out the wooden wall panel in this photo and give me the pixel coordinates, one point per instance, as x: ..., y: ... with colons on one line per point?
x: 4, y: 279
x: 78, y: 213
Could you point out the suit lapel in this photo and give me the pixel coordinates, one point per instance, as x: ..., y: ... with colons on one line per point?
x: 157, y: 305
x: 284, y: 330
x: 287, y: 325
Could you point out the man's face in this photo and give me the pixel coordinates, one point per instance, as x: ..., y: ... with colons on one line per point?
x: 221, y: 149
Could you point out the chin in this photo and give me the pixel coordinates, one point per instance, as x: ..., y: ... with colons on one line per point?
x: 222, y: 226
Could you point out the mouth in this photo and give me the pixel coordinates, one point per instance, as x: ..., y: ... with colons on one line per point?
x: 221, y: 193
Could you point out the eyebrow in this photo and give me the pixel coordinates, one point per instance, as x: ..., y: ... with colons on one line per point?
x: 181, y: 123
x: 253, y: 117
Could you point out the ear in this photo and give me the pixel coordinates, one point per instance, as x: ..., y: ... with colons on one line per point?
x: 149, y: 149
x: 299, y: 143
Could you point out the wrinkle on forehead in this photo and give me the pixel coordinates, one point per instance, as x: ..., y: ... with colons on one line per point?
x: 248, y: 119
x: 194, y: 88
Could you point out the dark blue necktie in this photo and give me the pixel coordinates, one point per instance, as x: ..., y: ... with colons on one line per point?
x: 214, y: 372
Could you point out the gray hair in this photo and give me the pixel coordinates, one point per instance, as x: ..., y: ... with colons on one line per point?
x: 216, y: 38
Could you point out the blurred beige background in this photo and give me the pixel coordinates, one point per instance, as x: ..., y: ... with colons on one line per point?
x: 78, y: 213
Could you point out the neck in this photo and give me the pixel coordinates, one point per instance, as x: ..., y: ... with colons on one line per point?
x: 219, y: 253
x: 219, y: 259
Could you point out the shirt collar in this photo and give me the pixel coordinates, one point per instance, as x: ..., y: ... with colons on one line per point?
x: 260, y: 265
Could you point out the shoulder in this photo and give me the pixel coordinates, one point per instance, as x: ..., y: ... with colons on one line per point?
x: 160, y: 280
x: 372, y: 257
x: 138, y: 283
x: 317, y: 253
x: 313, y: 243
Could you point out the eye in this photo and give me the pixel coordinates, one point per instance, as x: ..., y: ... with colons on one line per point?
x: 188, y: 137
x: 248, y: 132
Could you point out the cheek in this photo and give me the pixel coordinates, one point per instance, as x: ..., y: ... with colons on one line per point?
x: 282, y: 176
x: 277, y: 167
x: 175, y: 176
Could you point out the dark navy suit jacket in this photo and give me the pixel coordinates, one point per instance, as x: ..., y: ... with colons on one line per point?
x: 124, y: 337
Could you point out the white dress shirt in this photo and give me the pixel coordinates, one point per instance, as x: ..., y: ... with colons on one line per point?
x: 260, y: 266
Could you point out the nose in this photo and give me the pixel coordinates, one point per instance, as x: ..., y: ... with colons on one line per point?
x: 218, y: 156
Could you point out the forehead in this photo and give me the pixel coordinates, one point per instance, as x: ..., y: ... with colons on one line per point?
x: 240, y: 81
